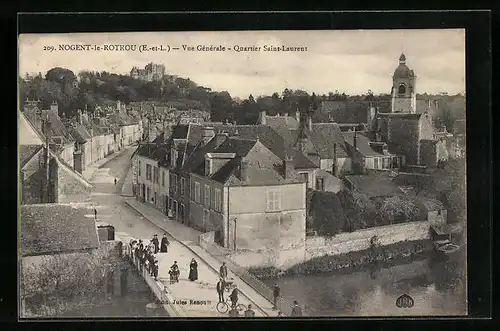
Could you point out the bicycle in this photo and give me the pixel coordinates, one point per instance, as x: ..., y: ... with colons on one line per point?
x: 223, y: 307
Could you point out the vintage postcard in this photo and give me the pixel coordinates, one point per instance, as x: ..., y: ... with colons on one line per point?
x: 242, y: 174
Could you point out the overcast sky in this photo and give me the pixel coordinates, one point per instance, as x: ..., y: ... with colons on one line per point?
x: 349, y: 61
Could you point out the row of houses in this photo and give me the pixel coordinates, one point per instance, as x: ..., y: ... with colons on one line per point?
x: 55, y: 151
x: 247, y: 183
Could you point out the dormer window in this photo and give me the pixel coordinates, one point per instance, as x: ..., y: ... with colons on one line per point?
x: 402, y: 89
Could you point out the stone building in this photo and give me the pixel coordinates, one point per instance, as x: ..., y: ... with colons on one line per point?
x: 403, y: 90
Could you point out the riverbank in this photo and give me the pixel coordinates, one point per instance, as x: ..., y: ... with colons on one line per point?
x: 406, y: 250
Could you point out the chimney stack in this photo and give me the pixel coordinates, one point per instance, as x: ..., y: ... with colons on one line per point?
x: 289, y: 169
x: 207, y: 134
x: 54, y: 107
x: 262, y: 117
x: 244, y: 170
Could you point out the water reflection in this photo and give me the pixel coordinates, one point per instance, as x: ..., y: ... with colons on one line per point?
x: 434, y: 282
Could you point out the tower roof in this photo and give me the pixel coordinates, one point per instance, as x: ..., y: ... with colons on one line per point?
x: 402, y: 58
x: 402, y: 71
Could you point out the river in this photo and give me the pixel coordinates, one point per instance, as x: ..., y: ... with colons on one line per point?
x: 437, y: 286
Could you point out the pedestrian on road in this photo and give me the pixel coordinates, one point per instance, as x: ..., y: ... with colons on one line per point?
x: 175, y: 272
x: 95, y: 213
x: 234, y: 297
x: 220, y: 289
x: 115, y: 181
x: 164, y: 244
x: 249, y: 312
x: 276, y: 294
x: 151, y: 262
x: 155, y: 269
x: 193, y: 270
x: 156, y: 243
x: 296, y: 311
x: 223, y: 271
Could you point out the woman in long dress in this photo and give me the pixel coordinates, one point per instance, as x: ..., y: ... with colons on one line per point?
x: 193, y: 270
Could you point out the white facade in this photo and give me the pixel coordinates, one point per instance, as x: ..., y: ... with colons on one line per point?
x: 151, y: 188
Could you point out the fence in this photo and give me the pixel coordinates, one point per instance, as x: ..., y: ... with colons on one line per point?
x: 219, y: 253
x: 158, y: 291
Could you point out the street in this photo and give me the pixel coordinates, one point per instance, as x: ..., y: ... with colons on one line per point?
x: 111, y: 209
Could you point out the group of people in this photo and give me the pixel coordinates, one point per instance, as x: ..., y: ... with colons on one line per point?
x: 145, y: 255
x: 175, y: 272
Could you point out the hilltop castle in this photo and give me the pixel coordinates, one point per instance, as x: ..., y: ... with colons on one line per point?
x: 151, y: 72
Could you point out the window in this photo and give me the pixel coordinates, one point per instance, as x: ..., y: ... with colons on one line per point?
x: 174, y: 180
x: 181, y: 212
x: 148, y: 194
x: 139, y: 168
x: 182, y: 185
x: 305, y: 176
x: 148, y: 172
x: 163, y: 178
x: 386, y: 162
x: 155, y: 175
x: 207, y: 195
x: 197, y: 192
x: 375, y: 163
x: 273, y: 202
x: 217, y: 200
x: 320, y: 185
x: 173, y: 158
x: 439, y: 212
x: 192, y: 190
x: 402, y: 89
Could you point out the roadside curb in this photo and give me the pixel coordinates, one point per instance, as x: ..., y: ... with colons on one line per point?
x: 201, y: 258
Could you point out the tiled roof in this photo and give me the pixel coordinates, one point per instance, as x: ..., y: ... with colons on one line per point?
x: 55, y: 228
x: 374, y: 186
x: 152, y: 151
x: 81, y: 133
x: 362, y: 143
x: 282, y: 121
x: 59, y: 129
x: 26, y: 152
x: 197, y: 157
x: 324, y: 136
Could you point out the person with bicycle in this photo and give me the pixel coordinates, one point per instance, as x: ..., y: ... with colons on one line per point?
x: 234, y: 298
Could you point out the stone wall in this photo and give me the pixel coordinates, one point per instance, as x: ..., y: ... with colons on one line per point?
x: 360, y: 240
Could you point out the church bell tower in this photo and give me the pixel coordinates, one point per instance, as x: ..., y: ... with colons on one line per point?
x: 403, y: 88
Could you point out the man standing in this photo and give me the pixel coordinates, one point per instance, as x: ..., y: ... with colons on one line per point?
x: 115, y: 181
x: 276, y: 294
x: 156, y: 243
x: 220, y: 289
x: 95, y: 213
x: 223, y: 271
x: 296, y: 311
x: 249, y: 312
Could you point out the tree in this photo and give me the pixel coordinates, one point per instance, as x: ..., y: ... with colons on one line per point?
x: 397, y: 209
x: 64, y: 282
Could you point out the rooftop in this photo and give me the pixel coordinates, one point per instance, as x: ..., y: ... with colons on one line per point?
x: 26, y: 152
x: 56, y: 228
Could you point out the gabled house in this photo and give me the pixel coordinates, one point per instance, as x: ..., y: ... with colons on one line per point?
x: 251, y: 198
x: 61, y: 138
x: 372, y: 155
x: 45, y: 176
x: 321, y: 143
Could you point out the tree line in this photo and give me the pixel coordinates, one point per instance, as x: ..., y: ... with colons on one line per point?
x: 88, y: 89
